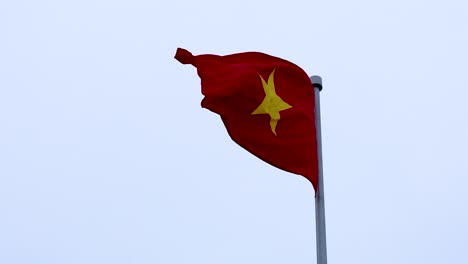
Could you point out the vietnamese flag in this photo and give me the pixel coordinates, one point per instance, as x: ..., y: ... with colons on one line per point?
x: 266, y: 104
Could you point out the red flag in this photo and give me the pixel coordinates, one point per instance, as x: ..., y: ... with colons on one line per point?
x: 266, y: 104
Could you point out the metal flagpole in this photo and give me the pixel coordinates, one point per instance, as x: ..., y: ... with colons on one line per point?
x: 319, y: 195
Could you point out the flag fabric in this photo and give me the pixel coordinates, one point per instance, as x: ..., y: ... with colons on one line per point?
x: 267, y: 105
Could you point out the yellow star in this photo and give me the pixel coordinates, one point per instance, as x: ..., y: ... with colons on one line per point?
x: 272, y: 104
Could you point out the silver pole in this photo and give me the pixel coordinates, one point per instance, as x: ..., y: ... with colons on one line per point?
x: 319, y: 195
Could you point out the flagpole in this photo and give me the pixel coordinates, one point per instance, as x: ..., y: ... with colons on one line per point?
x: 319, y: 195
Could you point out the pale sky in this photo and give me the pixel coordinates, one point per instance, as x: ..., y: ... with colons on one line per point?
x: 107, y: 157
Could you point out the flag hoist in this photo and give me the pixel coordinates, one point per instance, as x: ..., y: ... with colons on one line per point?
x: 271, y: 108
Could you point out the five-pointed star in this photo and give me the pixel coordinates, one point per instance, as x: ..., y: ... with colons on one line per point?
x: 272, y: 104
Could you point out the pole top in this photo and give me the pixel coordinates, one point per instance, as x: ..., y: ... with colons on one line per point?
x: 316, y: 82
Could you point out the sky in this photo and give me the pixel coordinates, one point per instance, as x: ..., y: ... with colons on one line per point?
x: 107, y: 157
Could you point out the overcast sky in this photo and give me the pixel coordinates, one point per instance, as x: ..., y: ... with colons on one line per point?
x: 107, y: 157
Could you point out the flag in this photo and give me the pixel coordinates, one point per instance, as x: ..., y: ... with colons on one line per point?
x: 267, y: 105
